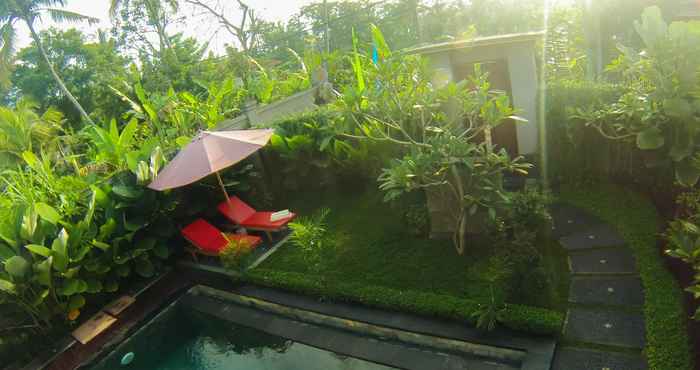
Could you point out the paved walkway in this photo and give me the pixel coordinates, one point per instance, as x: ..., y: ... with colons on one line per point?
x: 604, y: 328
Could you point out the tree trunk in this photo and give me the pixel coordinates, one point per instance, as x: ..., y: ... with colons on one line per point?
x: 55, y: 75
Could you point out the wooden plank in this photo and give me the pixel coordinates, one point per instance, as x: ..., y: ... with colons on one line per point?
x: 119, y: 305
x: 93, y: 327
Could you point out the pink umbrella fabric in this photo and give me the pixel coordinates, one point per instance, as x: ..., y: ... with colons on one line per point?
x: 208, y: 153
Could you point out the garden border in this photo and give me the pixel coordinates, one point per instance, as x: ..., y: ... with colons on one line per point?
x: 636, y: 219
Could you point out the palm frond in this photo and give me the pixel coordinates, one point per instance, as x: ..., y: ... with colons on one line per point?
x: 60, y: 15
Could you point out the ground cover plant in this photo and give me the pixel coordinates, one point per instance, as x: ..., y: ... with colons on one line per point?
x: 368, y: 244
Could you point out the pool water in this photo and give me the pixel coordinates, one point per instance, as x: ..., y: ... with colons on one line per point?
x: 181, y: 339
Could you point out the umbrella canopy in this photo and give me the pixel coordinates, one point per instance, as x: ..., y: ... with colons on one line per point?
x: 208, y: 153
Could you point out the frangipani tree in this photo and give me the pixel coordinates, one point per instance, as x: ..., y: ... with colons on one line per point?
x: 29, y: 12
x: 444, y: 133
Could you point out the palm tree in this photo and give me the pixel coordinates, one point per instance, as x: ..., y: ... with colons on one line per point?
x: 29, y: 11
x: 22, y: 129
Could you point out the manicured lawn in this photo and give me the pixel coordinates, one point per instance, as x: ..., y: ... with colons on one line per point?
x: 374, y: 248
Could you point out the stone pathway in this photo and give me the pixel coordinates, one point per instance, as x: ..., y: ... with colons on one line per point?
x: 604, y: 328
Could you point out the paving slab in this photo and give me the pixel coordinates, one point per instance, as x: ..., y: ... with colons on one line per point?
x: 613, y: 290
x: 592, y: 237
x: 569, y: 219
x: 569, y: 358
x: 605, y: 327
x: 617, y: 260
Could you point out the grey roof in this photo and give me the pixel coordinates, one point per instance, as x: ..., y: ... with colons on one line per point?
x: 512, y: 38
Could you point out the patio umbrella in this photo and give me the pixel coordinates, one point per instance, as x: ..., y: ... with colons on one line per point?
x: 210, y: 152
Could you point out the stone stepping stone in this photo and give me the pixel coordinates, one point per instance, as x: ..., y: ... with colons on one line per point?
x: 569, y: 358
x: 612, y: 328
x: 568, y: 219
x: 614, y: 290
x: 603, y: 261
x: 592, y: 237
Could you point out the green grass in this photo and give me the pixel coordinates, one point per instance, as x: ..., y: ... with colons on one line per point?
x: 374, y: 246
x: 378, y: 262
x: 667, y: 342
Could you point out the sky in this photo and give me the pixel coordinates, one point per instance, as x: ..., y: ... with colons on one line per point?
x: 272, y: 10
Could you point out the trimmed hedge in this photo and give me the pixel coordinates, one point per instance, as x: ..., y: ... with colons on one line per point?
x: 667, y: 343
x: 522, y: 318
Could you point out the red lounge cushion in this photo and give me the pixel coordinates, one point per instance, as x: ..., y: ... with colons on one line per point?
x: 208, y: 238
x: 236, y: 210
x: 204, y: 236
x: 261, y: 220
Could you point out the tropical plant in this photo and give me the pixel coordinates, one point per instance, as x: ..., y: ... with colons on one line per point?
x: 683, y: 236
x: 659, y: 110
x: 28, y: 12
x: 22, y: 129
x: 236, y: 254
x: 488, y: 313
x: 310, y: 234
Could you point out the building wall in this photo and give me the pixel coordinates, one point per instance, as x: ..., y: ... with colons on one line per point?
x: 523, y: 81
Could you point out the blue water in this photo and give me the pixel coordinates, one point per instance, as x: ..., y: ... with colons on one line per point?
x: 182, y: 340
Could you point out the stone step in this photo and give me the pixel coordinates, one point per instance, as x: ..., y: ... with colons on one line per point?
x: 592, y: 237
x: 571, y: 358
x: 617, y: 260
x: 608, y: 290
x: 567, y: 219
x: 605, y: 327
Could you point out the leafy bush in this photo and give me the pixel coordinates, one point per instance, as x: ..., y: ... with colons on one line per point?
x: 574, y: 150
x: 658, y: 109
x: 236, y: 254
x: 309, y: 234
x: 523, y: 318
x: 417, y: 219
x: 667, y: 343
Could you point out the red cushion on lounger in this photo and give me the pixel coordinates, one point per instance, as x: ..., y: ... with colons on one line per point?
x: 208, y: 238
x: 204, y: 236
x: 240, y: 213
x: 236, y: 210
x: 261, y: 220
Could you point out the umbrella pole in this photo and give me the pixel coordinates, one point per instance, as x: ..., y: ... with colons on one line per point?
x: 223, y: 188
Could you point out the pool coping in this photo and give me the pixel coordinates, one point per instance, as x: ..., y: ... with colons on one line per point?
x: 539, y: 349
x: 372, y: 330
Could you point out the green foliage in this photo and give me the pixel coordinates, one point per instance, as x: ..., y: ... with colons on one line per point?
x: 310, y: 235
x: 417, y: 219
x: 516, y: 317
x: 236, y: 254
x: 86, y: 68
x: 21, y: 129
x: 667, y: 343
x: 683, y: 236
x: 75, y: 227
x: 659, y: 108
x: 439, y: 149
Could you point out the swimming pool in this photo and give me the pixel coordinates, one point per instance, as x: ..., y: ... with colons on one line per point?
x: 209, y: 329
x: 187, y: 340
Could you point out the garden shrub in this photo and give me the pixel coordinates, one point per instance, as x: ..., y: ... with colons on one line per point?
x: 309, y: 234
x: 235, y: 254
x: 667, y: 342
x: 523, y: 318
x: 575, y: 150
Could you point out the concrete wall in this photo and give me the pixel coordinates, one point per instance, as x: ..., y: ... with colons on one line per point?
x: 255, y: 115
